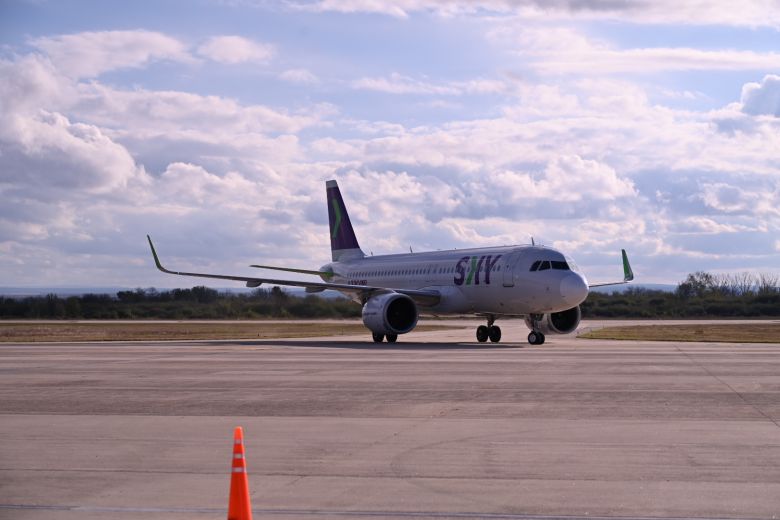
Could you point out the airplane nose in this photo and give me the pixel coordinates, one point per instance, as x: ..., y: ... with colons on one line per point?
x: 574, y: 290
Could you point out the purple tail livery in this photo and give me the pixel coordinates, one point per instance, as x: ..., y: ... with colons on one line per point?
x: 343, y: 242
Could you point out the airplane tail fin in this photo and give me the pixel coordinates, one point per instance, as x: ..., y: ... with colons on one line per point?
x: 343, y: 243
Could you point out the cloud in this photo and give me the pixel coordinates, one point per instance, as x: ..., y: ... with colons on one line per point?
x: 700, y: 225
x: 300, y: 76
x: 42, y: 149
x: 399, y: 84
x: 727, y: 198
x: 54, y: 153
x: 762, y: 98
x: 156, y: 112
x: 89, y: 54
x: 751, y: 13
x: 29, y: 83
x: 594, y: 163
x: 561, y: 50
x: 396, y: 9
x: 235, y: 49
x: 193, y: 186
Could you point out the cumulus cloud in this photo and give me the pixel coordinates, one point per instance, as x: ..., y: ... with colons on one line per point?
x: 235, y: 49
x: 89, y: 54
x: 42, y: 148
x: 30, y: 82
x: 51, y: 151
x: 192, y: 185
x: 762, y: 98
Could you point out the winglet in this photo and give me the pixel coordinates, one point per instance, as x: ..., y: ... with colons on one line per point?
x: 628, y: 273
x: 156, y: 259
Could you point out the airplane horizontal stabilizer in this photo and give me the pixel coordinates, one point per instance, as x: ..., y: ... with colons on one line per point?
x: 326, y: 274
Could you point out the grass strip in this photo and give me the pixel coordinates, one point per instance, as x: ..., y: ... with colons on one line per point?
x: 169, y: 331
x: 721, y: 333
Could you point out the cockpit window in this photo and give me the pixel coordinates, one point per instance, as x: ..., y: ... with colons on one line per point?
x: 543, y: 265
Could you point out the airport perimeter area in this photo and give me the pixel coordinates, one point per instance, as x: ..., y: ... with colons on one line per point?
x: 435, y: 426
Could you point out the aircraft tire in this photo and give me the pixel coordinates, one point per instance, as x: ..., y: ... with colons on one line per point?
x: 533, y: 337
x: 392, y: 338
x: 541, y: 339
x: 494, y: 333
x: 378, y: 337
x: 482, y: 333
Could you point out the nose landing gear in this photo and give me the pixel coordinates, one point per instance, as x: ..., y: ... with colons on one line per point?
x: 536, y: 337
x: 489, y: 331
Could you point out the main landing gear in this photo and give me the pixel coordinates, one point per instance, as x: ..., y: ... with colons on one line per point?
x: 391, y: 338
x: 489, y: 331
x: 536, y: 337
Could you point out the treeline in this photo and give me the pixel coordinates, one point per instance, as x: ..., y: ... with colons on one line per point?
x: 178, y: 304
x: 700, y: 295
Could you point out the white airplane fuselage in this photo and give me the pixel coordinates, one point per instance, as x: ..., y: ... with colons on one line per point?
x: 494, y: 280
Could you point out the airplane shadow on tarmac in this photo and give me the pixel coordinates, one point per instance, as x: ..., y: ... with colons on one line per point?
x: 369, y: 345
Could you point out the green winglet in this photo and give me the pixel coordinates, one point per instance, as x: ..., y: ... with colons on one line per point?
x: 156, y: 259
x: 628, y: 273
x: 154, y: 254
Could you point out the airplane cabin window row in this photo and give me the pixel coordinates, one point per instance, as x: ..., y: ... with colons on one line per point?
x: 400, y: 272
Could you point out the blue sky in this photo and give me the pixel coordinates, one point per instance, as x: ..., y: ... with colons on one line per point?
x: 212, y: 125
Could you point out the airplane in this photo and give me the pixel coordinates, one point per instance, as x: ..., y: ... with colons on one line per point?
x: 537, y: 283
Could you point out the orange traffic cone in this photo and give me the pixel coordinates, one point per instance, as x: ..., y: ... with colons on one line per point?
x: 239, y: 507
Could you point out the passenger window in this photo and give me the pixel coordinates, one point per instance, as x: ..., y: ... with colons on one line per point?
x: 544, y: 265
x: 535, y: 265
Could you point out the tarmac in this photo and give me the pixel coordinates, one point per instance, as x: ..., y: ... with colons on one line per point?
x: 434, y: 426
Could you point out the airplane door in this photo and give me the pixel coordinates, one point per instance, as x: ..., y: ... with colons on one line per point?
x: 509, y: 269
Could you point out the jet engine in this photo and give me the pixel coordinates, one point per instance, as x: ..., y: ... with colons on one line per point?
x: 564, y: 322
x: 390, y: 313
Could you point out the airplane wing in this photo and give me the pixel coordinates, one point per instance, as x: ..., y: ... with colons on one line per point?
x: 363, y: 292
x: 628, y: 273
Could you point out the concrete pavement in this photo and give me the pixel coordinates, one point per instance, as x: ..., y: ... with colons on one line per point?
x: 427, y: 428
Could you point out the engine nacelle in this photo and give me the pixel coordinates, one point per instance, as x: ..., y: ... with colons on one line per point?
x: 390, y: 313
x: 564, y: 322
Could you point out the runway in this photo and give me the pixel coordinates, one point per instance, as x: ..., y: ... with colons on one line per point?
x: 435, y: 426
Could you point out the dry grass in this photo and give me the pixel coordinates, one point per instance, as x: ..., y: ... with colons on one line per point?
x: 166, y: 331
x: 724, y: 333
